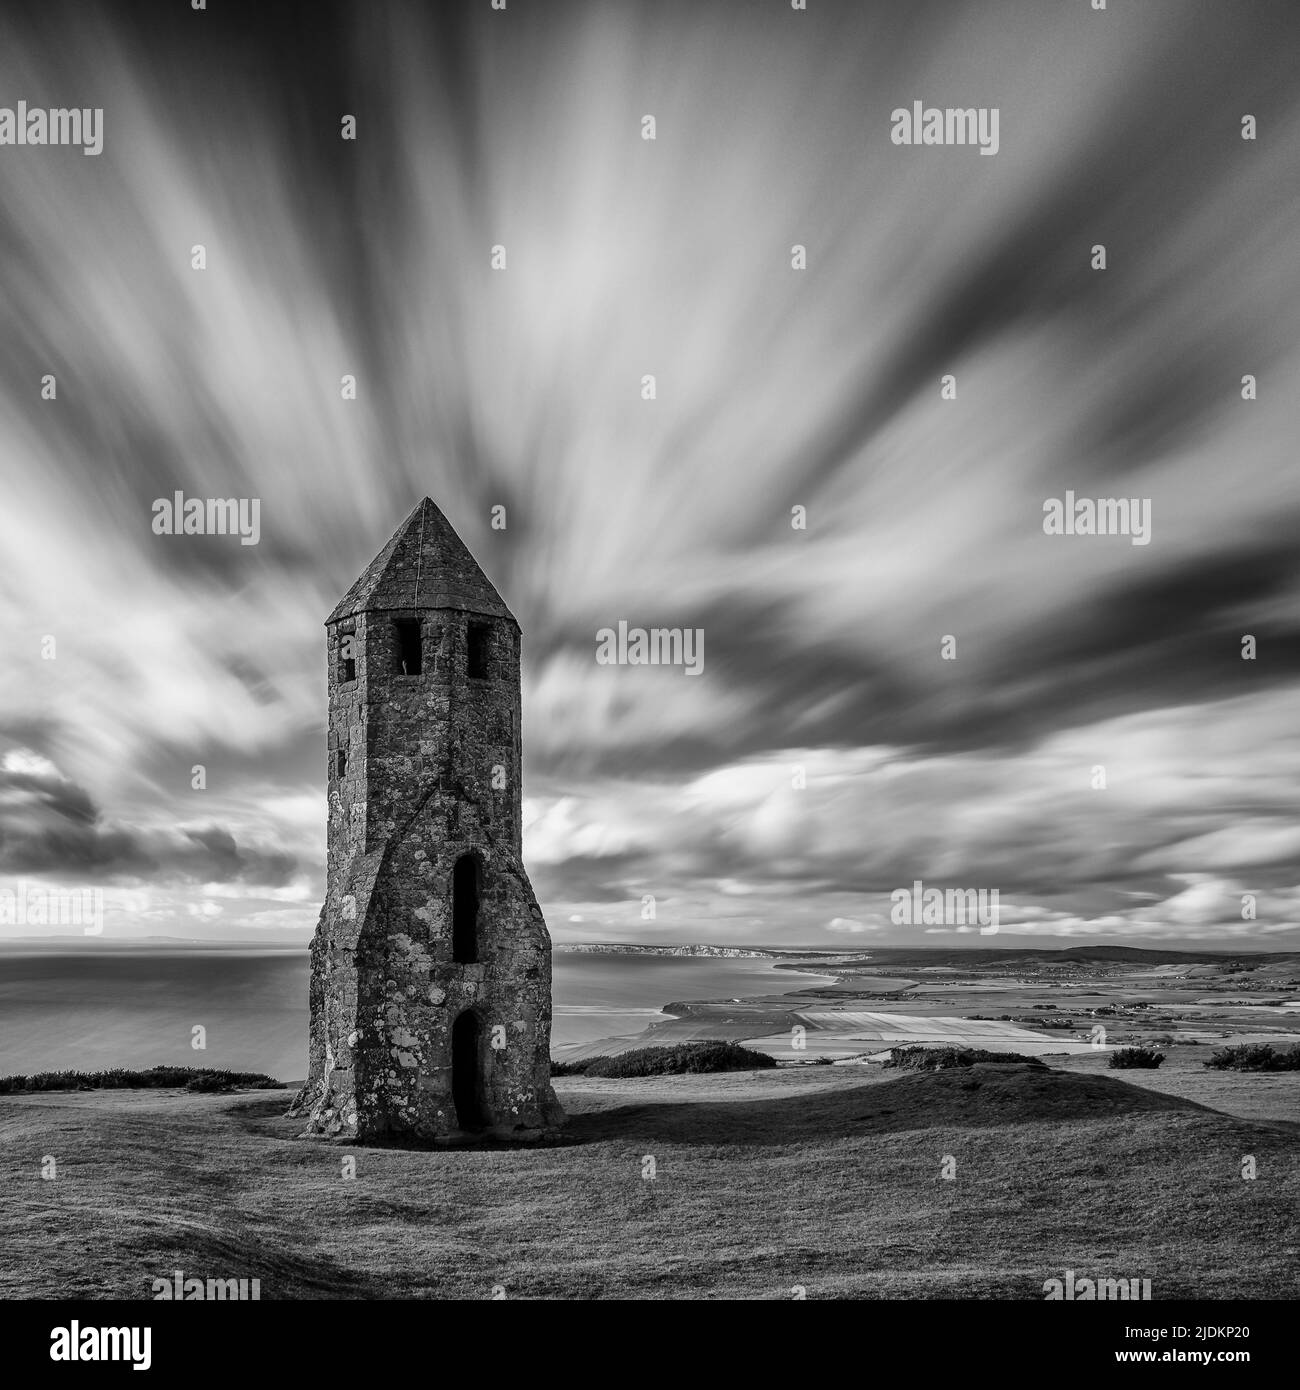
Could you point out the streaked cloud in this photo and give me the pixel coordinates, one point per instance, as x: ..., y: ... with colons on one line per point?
x: 776, y: 388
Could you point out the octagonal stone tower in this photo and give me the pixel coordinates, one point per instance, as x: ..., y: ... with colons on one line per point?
x: 431, y: 964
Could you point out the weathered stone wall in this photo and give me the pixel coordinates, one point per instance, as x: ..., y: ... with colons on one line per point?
x: 432, y: 773
x: 412, y: 991
x: 442, y: 732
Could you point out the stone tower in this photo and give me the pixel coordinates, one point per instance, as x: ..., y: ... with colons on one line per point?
x: 431, y: 964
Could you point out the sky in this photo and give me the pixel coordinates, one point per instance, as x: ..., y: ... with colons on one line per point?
x: 836, y: 746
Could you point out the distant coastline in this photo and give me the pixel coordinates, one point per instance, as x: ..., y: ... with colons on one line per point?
x: 92, y: 1002
x: 610, y: 948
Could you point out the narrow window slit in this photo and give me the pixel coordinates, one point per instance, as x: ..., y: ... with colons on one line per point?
x: 409, y: 651
x: 476, y: 664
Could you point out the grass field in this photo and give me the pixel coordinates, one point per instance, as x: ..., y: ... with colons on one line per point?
x: 825, y: 1178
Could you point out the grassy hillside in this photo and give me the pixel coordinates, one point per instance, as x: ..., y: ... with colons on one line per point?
x: 825, y: 1178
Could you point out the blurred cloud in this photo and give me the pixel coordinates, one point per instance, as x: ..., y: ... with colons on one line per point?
x: 49, y: 825
x: 776, y: 388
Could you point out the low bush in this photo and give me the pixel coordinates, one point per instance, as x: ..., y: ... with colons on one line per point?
x: 1254, y: 1057
x: 124, y: 1078
x: 669, y: 1061
x: 1143, y: 1057
x: 941, y: 1058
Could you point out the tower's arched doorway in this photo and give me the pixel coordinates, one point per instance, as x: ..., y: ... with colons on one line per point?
x: 466, y: 1088
x: 464, y: 910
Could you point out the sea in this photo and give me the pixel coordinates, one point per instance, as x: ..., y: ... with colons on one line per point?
x: 91, y: 1005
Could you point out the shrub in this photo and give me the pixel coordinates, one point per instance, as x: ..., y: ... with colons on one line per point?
x: 205, y: 1079
x: 941, y: 1058
x: 669, y: 1061
x: 124, y: 1078
x: 1254, y: 1057
x: 1144, y: 1057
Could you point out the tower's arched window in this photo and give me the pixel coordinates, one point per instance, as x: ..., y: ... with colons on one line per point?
x: 476, y: 662
x: 464, y: 910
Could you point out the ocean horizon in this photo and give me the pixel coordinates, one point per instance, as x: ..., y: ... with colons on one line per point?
x: 90, y: 1005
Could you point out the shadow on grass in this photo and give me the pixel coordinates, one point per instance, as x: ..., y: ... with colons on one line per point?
x: 967, y: 1097
x: 970, y: 1097
x: 268, y: 1117
x: 264, y: 1254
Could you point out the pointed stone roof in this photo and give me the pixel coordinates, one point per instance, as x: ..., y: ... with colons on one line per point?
x: 424, y: 565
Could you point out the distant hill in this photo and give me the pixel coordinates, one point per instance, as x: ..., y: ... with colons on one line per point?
x: 967, y: 957
x: 1003, y: 957
x: 706, y: 949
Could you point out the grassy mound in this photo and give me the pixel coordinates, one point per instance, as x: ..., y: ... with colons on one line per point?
x: 1255, y: 1057
x: 941, y: 1058
x: 125, y: 1078
x: 1013, y: 1094
x: 669, y: 1061
x: 831, y: 1178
